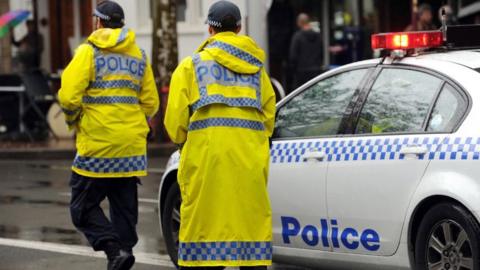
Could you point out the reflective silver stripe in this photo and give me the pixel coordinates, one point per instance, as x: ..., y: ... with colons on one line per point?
x: 210, y: 72
x: 237, y: 52
x: 123, y: 35
x: 226, y: 122
x: 118, y: 64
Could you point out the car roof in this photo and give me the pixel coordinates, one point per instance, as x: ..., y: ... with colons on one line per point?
x: 468, y: 58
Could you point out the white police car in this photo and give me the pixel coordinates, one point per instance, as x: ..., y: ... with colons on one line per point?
x: 376, y: 165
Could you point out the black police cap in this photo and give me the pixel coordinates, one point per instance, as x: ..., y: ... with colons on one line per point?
x: 224, y: 14
x: 110, y: 11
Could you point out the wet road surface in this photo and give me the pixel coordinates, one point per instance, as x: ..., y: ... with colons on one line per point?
x: 34, y: 207
x: 35, y: 227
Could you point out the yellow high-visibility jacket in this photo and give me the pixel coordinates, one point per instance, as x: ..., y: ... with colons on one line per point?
x: 221, y: 107
x: 108, y: 91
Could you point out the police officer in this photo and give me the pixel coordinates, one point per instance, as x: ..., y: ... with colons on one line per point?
x: 107, y: 93
x: 221, y: 108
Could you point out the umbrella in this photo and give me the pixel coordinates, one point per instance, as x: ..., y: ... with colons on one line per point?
x: 12, y: 19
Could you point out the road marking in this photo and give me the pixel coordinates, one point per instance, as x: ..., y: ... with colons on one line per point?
x: 143, y: 200
x: 140, y: 257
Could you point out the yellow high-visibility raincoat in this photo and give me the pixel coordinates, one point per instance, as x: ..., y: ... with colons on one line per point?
x: 108, y: 91
x: 221, y: 107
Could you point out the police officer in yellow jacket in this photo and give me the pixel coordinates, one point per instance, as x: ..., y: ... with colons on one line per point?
x: 107, y: 93
x: 221, y: 108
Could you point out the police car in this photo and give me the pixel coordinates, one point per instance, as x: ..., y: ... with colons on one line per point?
x: 376, y: 164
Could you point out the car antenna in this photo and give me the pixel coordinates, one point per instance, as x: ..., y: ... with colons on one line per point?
x: 444, y: 24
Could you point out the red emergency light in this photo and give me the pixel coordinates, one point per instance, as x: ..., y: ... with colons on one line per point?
x: 407, y: 40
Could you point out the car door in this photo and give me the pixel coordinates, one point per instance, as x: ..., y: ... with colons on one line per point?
x: 374, y: 173
x: 298, y: 163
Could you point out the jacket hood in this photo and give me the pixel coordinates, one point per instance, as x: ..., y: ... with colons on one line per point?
x: 238, y: 53
x: 116, y: 40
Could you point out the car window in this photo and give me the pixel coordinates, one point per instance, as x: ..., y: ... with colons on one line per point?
x: 318, y: 110
x: 448, y: 110
x: 399, y: 101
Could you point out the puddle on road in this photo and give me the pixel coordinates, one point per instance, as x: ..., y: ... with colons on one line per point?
x: 35, y: 185
x: 13, y: 199
x: 43, y: 234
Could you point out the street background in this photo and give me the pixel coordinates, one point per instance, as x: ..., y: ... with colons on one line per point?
x: 35, y: 227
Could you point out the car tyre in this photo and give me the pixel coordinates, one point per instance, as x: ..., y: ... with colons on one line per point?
x: 171, y: 221
x: 448, y: 239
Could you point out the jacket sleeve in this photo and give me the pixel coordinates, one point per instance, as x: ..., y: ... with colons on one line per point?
x: 268, y: 104
x: 75, y: 80
x: 149, y: 101
x: 178, y: 113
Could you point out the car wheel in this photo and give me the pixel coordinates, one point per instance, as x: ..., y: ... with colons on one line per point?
x: 171, y: 221
x: 448, y: 239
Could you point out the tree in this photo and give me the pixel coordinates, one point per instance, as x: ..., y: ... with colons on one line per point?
x: 164, y: 55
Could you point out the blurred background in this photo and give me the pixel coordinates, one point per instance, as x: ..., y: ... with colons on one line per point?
x: 36, y: 47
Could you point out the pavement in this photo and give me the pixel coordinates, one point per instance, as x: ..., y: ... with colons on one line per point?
x: 64, y: 149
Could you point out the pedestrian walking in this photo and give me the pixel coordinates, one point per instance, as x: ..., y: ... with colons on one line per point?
x: 221, y: 110
x: 422, y: 20
x: 306, y: 52
x: 107, y: 93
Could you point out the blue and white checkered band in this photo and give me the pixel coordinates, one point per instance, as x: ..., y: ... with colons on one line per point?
x: 232, y: 102
x: 379, y: 149
x: 114, y: 84
x: 225, y: 251
x: 101, y: 15
x: 111, y: 165
x: 226, y: 122
x: 239, y: 53
x: 110, y: 100
x: 118, y: 64
x: 210, y: 72
x: 214, y: 23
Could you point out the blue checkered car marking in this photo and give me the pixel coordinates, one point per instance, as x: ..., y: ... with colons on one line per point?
x: 245, y: 56
x: 226, y: 122
x: 439, y: 148
x: 111, y: 165
x: 100, y: 84
x: 110, y: 100
x: 225, y: 251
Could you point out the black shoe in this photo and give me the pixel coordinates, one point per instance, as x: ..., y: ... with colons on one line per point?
x: 124, y: 261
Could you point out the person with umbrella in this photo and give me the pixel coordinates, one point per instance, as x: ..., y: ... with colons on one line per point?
x: 30, y: 47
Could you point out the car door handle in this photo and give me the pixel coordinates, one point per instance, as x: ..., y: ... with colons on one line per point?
x: 314, y: 155
x: 414, y: 150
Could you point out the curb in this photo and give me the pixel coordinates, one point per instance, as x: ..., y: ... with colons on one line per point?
x: 48, y: 153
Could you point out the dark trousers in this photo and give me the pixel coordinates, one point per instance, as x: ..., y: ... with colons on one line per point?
x: 88, y: 216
